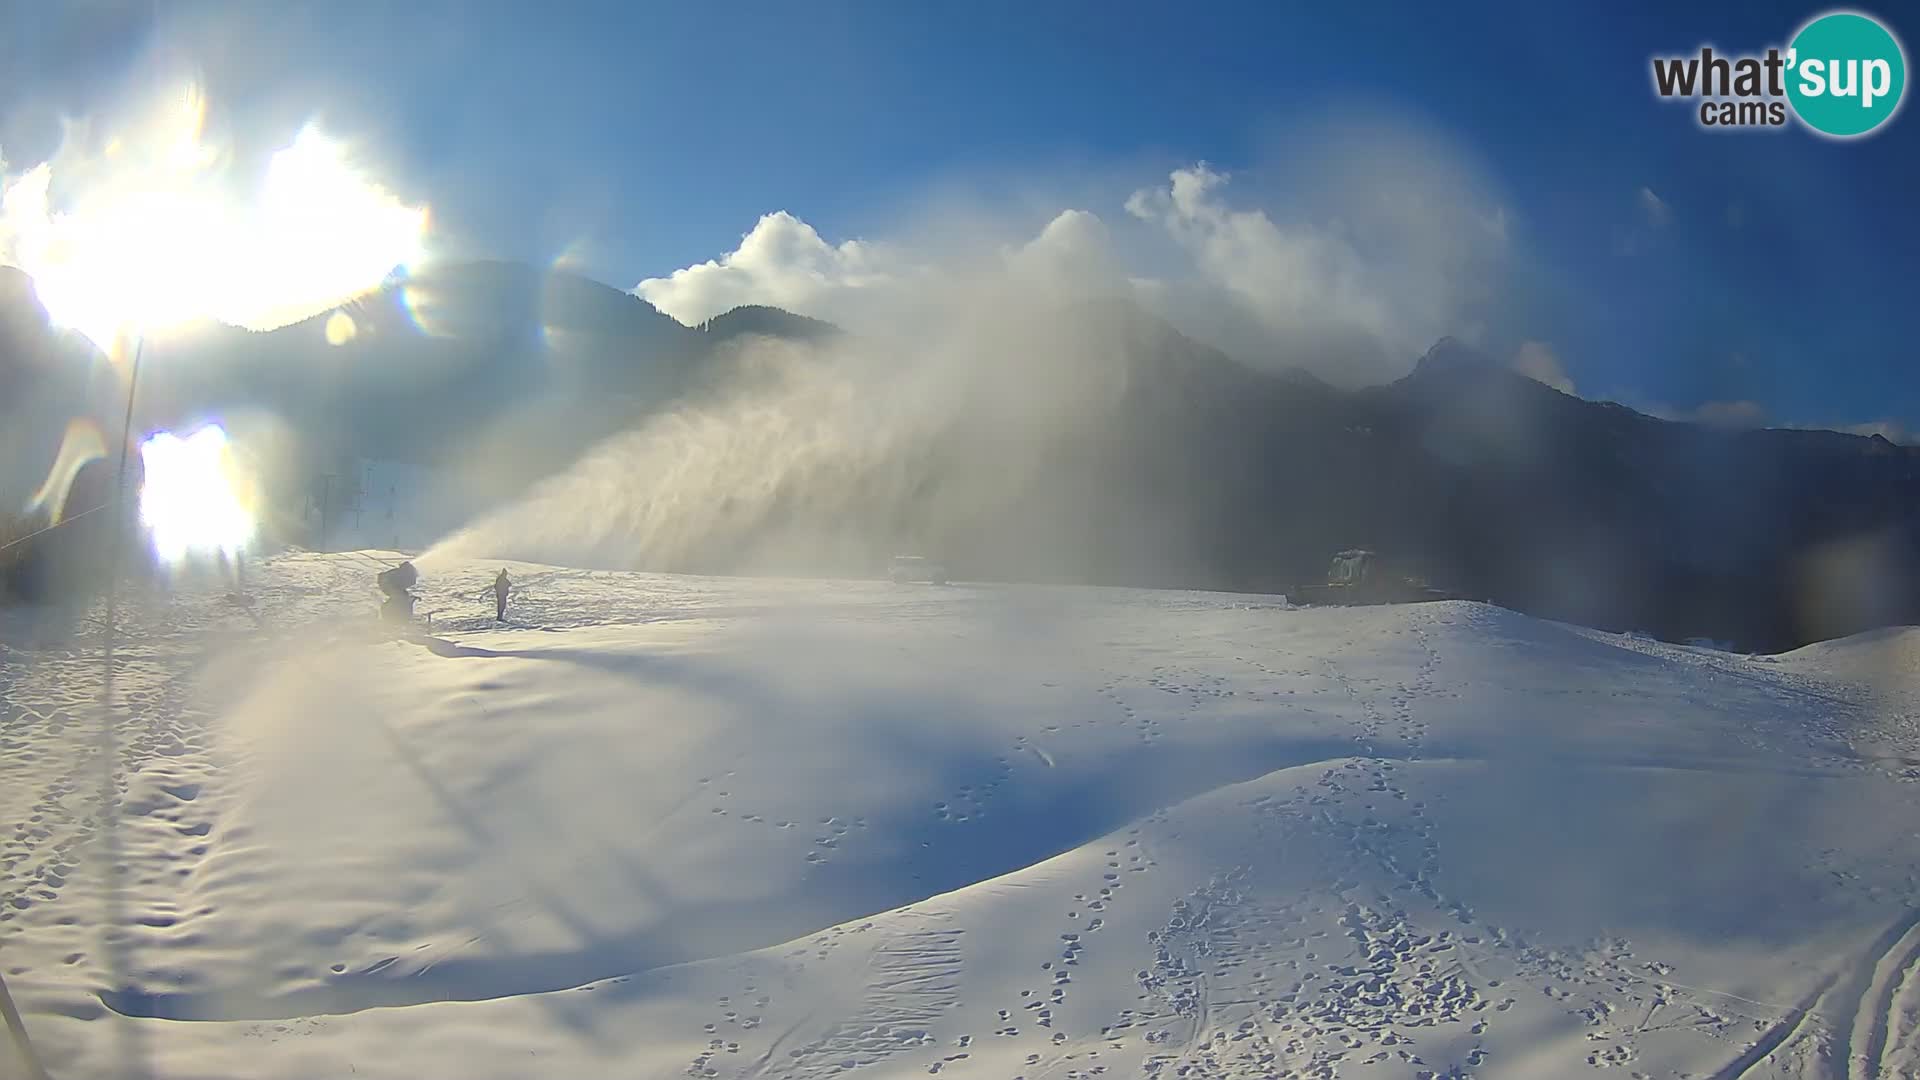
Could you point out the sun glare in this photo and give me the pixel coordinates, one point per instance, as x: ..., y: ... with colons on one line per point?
x: 160, y: 227
x: 82, y: 444
x: 191, y: 499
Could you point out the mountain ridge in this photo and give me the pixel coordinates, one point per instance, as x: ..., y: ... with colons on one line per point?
x: 1154, y: 459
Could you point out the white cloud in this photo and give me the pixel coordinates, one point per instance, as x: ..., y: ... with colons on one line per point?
x: 1074, y: 252
x: 866, y: 285
x: 782, y: 261
x: 1306, y: 286
x: 1537, y: 361
x: 1389, y: 244
x: 24, y: 208
x: 1375, y: 240
x: 1394, y: 259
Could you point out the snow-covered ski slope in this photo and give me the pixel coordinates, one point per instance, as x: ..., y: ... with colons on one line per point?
x: 661, y: 826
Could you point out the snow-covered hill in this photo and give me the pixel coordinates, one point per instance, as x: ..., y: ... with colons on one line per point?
x: 666, y: 826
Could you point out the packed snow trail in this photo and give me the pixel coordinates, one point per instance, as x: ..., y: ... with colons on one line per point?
x: 661, y: 825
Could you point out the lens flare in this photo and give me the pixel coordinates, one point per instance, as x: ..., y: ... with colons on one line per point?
x: 192, y: 499
x: 82, y: 443
x: 425, y: 309
x: 341, y: 328
x: 162, y: 226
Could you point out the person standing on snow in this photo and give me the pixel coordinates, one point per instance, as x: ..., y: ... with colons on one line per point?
x: 500, y: 587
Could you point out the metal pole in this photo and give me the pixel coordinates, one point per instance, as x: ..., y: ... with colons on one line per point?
x: 15, y: 1025
x: 35, y: 1071
x: 109, y: 743
x: 117, y: 542
x: 120, y: 478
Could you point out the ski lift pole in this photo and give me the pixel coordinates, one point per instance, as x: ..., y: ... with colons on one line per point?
x: 117, y: 543
x: 326, y: 498
x: 18, y: 1029
x: 109, y: 750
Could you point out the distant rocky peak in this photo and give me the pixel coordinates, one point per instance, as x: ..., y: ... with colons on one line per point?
x: 1451, y: 355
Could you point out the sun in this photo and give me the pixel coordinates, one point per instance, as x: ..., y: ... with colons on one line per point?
x: 165, y: 225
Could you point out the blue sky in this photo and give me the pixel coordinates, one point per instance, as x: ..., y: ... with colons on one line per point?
x: 1775, y: 267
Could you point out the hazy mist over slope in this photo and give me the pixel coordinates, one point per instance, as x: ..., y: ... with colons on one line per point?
x: 1381, y: 600
x: 1348, y: 256
x: 1195, y: 381
x: 984, y: 366
x: 824, y: 456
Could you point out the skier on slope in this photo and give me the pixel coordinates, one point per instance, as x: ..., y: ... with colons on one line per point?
x: 500, y: 587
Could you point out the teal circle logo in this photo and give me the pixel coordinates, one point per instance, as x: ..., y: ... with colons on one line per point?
x: 1846, y: 74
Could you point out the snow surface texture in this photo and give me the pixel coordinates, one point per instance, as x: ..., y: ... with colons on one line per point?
x: 660, y: 826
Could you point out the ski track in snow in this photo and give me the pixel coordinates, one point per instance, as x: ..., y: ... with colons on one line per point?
x: 1209, y: 837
